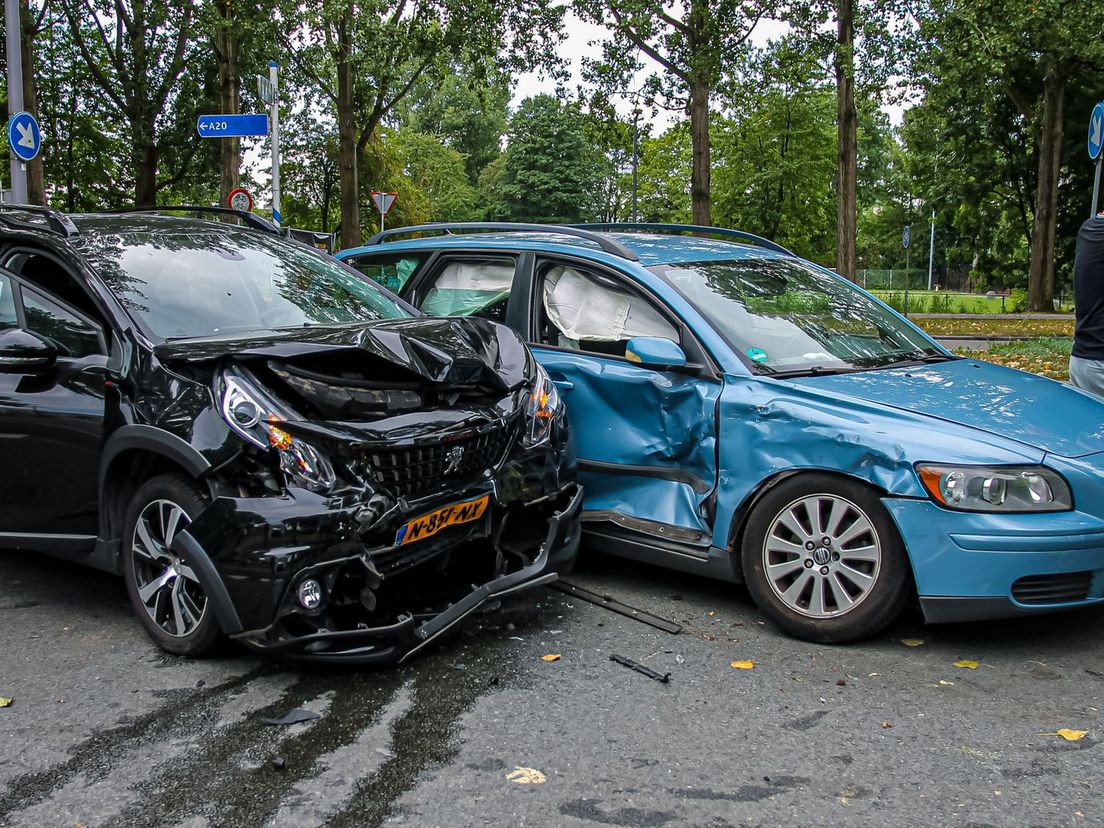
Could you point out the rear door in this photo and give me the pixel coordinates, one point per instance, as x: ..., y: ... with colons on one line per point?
x: 646, y: 438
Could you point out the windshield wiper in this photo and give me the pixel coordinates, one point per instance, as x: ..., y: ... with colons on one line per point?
x: 812, y: 371
x: 911, y: 360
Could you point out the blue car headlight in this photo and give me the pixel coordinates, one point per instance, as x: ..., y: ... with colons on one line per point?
x: 541, y: 408
x: 254, y: 415
x: 996, y: 488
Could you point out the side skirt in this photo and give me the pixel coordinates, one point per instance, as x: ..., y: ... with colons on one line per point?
x: 707, y: 561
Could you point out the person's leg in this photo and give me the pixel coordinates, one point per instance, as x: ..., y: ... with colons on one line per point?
x: 1088, y: 375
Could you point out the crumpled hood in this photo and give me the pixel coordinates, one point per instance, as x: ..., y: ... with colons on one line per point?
x: 447, y: 351
x: 1039, y: 412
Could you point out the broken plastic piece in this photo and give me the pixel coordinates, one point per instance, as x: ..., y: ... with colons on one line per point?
x: 613, y: 605
x: 663, y: 678
x: 295, y: 716
x: 279, y: 763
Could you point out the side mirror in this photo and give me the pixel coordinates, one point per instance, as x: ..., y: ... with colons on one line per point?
x: 22, y: 352
x: 655, y: 352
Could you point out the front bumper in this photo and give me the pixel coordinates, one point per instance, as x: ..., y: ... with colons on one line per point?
x: 368, y: 644
x: 973, y: 566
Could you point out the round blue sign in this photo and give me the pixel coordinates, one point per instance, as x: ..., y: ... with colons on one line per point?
x: 24, y: 136
x: 1096, y: 131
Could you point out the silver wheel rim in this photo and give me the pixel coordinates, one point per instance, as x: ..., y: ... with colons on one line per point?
x: 167, y: 587
x: 822, y: 556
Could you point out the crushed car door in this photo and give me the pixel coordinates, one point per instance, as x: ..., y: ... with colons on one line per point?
x: 646, y: 438
x: 51, y: 421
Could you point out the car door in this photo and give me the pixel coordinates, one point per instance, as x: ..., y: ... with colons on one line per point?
x: 646, y: 438
x: 51, y: 421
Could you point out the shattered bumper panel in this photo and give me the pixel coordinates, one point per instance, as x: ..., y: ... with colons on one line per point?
x: 390, y: 643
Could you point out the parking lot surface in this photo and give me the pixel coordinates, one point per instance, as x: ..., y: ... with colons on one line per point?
x: 105, y: 730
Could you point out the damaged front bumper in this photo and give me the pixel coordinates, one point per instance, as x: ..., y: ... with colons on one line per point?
x: 242, y: 594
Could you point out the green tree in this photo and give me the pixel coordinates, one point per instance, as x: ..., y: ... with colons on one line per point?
x: 551, y: 173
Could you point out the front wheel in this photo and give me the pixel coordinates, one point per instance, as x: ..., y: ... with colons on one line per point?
x: 164, y: 589
x: 823, y: 560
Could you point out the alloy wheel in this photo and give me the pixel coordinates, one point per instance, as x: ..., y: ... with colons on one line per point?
x: 822, y: 555
x: 168, y: 588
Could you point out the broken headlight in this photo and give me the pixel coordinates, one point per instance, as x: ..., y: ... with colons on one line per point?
x: 544, y: 402
x: 996, y: 488
x: 253, y: 414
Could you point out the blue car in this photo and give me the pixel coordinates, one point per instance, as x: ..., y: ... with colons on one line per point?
x: 747, y: 415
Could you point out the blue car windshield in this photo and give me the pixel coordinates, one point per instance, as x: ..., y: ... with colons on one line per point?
x: 212, y: 281
x: 787, y: 316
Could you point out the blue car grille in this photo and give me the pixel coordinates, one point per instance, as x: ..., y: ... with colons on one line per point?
x: 1053, y: 589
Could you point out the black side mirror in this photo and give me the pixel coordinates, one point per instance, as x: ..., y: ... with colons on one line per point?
x: 22, y: 352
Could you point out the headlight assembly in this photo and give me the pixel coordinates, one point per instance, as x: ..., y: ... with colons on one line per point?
x: 544, y: 402
x: 253, y: 414
x: 996, y: 488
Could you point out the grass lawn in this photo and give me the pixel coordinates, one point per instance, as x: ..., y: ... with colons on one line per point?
x: 1047, y: 355
x: 941, y: 301
x: 949, y: 326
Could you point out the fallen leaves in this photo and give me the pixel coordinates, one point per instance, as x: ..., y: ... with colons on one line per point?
x: 912, y: 642
x: 966, y: 664
x: 5, y: 701
x: 742, y: 665
x: 1069, y: 735
x: 527, y: 776
x: 551, y: 657
x: 887, y: 725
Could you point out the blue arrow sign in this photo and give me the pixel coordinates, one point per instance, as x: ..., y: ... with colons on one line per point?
x: 24, y: 136
x: 1096, y: 131
x: 231, y: 126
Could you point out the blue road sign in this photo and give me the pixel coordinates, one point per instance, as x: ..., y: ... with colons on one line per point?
x: 231, y: 126
x: 24, y: 136
x: 1096, y: 131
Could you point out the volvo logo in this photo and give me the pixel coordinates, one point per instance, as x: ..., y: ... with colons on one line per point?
x: 453, y: 459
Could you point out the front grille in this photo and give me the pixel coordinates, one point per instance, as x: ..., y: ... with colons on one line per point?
x: 427, y: 467
x: 1053, y: 589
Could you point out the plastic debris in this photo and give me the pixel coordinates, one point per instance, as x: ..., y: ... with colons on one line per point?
x: 742, y: 665
x: 526, y: 776
x: 279, y: 763
x: 662, y: 678
x: 295, y: 716
x: 551, y: 657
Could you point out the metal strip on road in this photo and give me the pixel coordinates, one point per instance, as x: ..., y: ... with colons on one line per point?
x: 613, y: 605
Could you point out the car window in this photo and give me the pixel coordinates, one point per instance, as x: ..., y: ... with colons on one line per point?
x: 7, y: 304
x: 70, y: 333
x: 590, y: 312
x: 471, y: 288
x: 393, y: 272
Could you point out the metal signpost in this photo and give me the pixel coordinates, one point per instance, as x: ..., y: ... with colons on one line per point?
x: 383, y: 202
x: 931, y: 251
x: 906, y: 240
x: 273, y: 81
x: 1095, y: 146
x: 15, y: 102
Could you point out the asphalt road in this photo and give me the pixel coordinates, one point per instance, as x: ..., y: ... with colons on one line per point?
x: 105, y: 730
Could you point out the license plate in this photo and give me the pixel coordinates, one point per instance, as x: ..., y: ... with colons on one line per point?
x: 428, y: 525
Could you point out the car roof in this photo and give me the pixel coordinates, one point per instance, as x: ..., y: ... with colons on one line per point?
x: 651, y: 248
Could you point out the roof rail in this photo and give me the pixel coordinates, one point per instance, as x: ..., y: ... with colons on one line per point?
x: 674, y: 229
x: 56, y: 221
x: 252, y: 219
x: 604, y: 242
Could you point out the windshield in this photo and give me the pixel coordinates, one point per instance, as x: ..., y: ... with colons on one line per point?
x: 787, y: 316
x: 196, y: 282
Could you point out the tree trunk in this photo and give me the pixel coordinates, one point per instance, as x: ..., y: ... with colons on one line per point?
x: 36, y: 187
x: 1040, y: 277
x: 145, y: 162
x: 847, y: 146
x: 347, y: 143
x: 699, y: 142
x: 226, y: 54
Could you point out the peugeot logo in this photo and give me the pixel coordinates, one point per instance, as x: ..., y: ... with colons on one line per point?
x: 453, y: 459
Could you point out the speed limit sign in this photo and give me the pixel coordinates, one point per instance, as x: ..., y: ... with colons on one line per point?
x: 240, y: 199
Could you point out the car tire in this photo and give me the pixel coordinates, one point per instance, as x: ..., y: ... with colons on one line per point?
x: 823, y: 560
x: 165, y: 592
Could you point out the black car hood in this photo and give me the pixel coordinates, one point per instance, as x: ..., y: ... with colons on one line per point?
x: 446, y: 351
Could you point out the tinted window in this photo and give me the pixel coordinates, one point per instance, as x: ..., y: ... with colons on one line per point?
x: 7, y: 304
x: 393, y: 272
x: 197, y: 281
x: 72, y: 335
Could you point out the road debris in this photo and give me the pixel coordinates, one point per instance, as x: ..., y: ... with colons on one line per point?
x: 662, y: 678
x: 551, y: 657
x: 1068, y: 735
x: 742, y: 665
x: 5, y: 701
x: 912, y: 642
x: 526, y: 776
x: 279, y: 763
x: 296, y: 716
x: 966, y: 664
x: 887, y: 725
x: 613, y: 605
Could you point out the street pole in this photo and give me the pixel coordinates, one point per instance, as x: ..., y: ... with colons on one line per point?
x: 15, y: 93
x: 931, y: 251
x: 908, y: 251
x: 383, y: 221
x: 1096, y: 188
x: 277, y: 218
x: 635, y: 160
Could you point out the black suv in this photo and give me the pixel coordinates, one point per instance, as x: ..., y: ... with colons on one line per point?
x: 264, y: 443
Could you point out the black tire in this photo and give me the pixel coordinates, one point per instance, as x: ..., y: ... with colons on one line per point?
x: 870, y: 570
x: 170, y: 616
